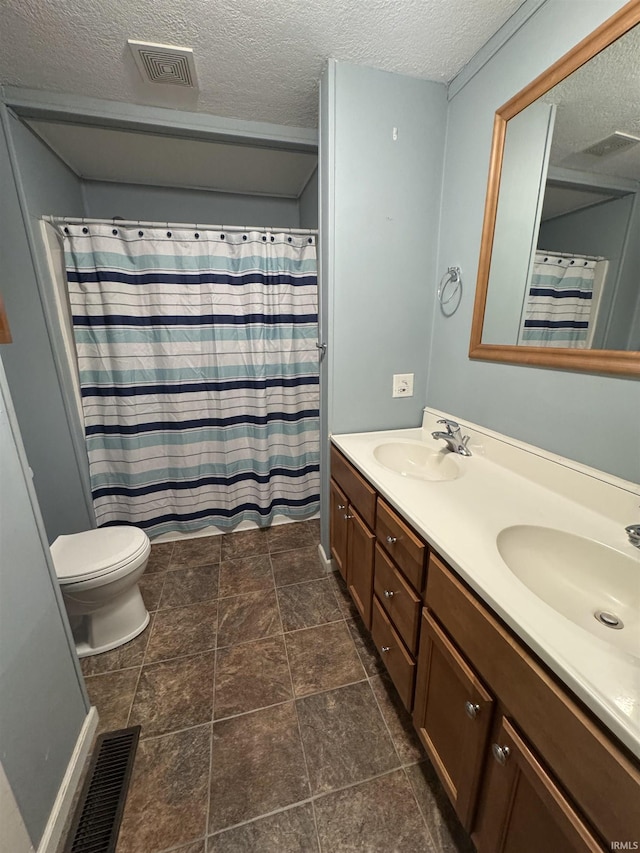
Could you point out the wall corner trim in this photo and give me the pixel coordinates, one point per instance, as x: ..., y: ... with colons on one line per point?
x: 52, y: 834
x: 493, y: 45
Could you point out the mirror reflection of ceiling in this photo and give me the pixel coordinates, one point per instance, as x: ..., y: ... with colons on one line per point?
x: 599, y: 98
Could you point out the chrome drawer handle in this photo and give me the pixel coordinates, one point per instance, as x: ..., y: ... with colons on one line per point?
x: 500, y: 753
x: 342, y: 506
x: 472, y: 709
x: 392, y: 540
x: 347, y: 517
x: 385, y: 649
x: 389, y: 593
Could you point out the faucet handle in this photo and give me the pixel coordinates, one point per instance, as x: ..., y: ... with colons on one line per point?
x: 451, y: 426
x: 634, y: 534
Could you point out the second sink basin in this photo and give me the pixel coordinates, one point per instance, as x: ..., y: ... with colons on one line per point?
x: 412, y: 459
x: 593, y: 585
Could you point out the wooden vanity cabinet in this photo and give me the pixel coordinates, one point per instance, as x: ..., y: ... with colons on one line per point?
x: 522, y: 809
x: 352, y: 520
x: 452, y: 715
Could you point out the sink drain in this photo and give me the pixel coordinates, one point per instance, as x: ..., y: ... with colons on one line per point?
x: 610, y: 620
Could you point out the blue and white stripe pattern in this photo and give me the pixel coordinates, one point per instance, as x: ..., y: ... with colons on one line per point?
x: 198, y: 373
x: 559, y: 303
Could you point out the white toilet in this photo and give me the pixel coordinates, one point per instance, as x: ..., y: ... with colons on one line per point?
x: 98, y: 572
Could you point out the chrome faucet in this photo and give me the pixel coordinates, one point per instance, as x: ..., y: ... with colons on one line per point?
x: 634, y: 534
x: 456, y: 442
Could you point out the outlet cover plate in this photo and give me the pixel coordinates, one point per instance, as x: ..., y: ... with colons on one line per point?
x: 402, y: 385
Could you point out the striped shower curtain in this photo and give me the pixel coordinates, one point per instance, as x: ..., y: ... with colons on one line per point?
x: 198, y: 371
x: 558, y: 308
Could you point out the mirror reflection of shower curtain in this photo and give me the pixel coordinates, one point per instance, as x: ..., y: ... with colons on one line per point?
x: 563, y: 299
x: 198, y: 372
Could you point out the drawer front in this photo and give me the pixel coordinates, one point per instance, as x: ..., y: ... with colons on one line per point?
x: 361, y: 495
x: 398, y: 599
x: 399, y: 663
x: 408, y: 550
x: 551, y: 720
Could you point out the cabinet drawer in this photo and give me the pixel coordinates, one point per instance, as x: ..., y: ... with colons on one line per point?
x: 361, y: 495
x: 399, y: 663
x: 552, y: 721
x: 408, y: 551
x: 398, y: 599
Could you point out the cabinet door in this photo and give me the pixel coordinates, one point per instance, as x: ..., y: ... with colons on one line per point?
x: 452, y: 714
x: 522, y: 809
x: 360, y: 545
x: 338, y: 526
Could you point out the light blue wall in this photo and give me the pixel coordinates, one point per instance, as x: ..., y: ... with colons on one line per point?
x: 593, y: 419
x: 600, y: 230
x: 383, y: 227
x: 47, y: 187
x: 172, y: 204
x: 42, y: 706
x: 308, y: 203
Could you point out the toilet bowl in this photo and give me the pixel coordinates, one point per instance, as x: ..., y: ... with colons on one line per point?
x: 98, y: 572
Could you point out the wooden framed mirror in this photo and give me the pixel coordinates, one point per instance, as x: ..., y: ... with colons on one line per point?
x: 559, y: 270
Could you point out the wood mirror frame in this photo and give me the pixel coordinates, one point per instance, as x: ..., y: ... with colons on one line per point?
x: 621, y: 362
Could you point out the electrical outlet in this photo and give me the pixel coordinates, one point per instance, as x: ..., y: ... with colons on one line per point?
x: 402, y: 385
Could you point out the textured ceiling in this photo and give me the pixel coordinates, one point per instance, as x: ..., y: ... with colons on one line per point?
x: 256, y: 59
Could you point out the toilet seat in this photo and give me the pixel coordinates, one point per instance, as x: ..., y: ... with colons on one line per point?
x: 98, y: 553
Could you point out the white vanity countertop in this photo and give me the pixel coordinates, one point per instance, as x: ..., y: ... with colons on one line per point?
x: 504, y: 483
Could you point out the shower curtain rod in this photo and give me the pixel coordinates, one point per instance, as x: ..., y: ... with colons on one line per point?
x: 133, y: 223
x: 570, y: 255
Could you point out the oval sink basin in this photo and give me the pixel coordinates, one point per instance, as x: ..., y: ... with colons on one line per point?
x: 593, y: 585
x: 417, y: 460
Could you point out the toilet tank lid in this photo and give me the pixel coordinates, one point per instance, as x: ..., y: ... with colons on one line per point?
x: 94, y: 552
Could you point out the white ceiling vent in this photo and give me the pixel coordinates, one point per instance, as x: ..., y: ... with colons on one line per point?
x: 164, y: 63
x: 618, y: 141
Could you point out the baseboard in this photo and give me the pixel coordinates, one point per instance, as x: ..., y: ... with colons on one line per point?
x: 52, y: 834
x: 327, y: 562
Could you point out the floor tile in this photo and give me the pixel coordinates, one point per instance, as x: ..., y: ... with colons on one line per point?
x: 322, y: 658
x: 189, y: 586
x: 291, y: 831
x: 301, y: 564
x: 197, y: 847
x: 244, y: 543
x: 112, y: 694
x: 345, y: 602
x: 304, y: 605
x: 313, y: 529
x: 160, y: 557
x: 248, y: 617
x: 398, y: 720
x: 344, y: 736
x: 183, y: 631
x: 286, y: 537
x: 251, y: 675
x: 131, y: 654
x: 246, y: 574
x: 174, y: 695
x: 201, y: 551
x: 258, y: 766
x: 151, y: 589
x: 444, y: 826
x: 365, y: 647
x: 378, y: 816
x: 167, y: 801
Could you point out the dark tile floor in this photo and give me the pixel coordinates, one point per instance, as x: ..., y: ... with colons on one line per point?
x: 268, y: 723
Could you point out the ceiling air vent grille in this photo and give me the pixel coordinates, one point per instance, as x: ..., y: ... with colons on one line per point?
x: 164, y: 63
x: 618, y: 141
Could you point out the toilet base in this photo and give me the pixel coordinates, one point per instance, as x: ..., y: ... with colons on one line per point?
x: 112, y: 625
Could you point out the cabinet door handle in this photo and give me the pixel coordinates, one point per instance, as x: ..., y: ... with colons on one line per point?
x: 500, y: 753
x: 392, y: 540
x: 385, y: 649
x: 347, y: 516
x: 472, y: 709
x: 389, y: 593
x: 342, y: 506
